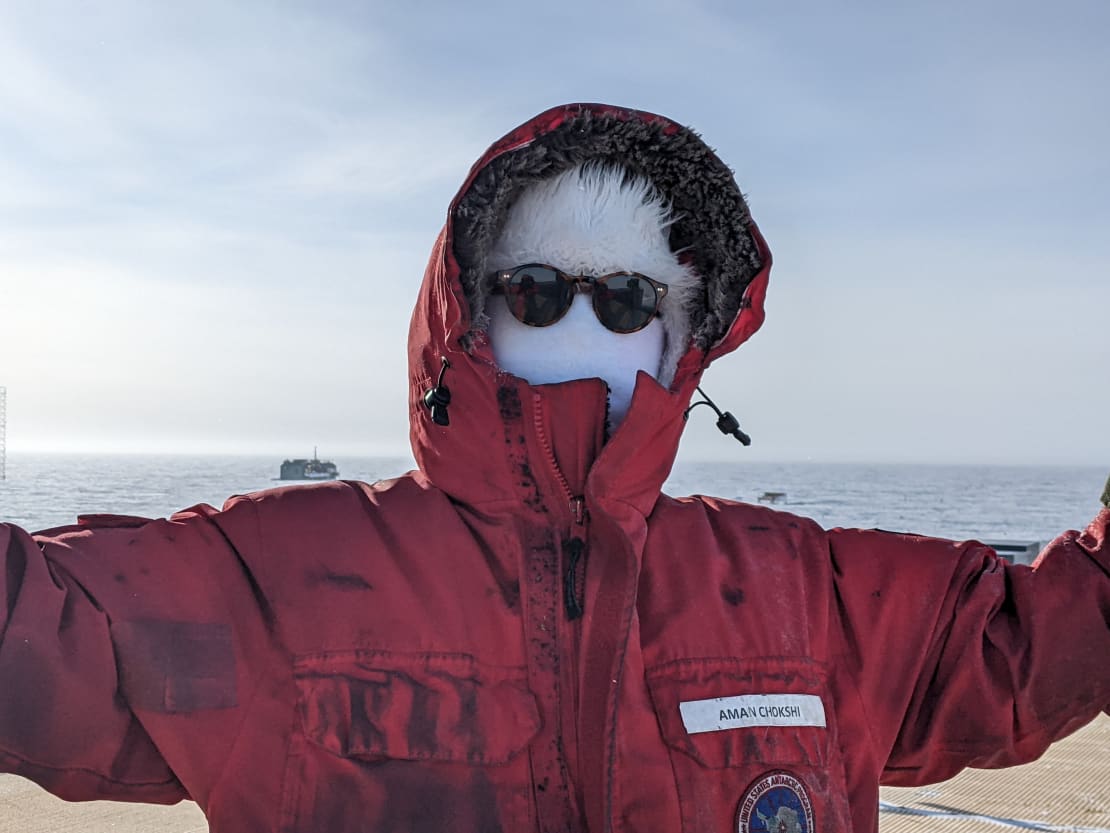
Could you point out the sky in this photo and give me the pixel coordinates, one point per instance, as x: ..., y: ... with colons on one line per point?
x: 214, y: 217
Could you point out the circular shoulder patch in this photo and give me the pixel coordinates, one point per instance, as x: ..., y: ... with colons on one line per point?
x: 776, y: 803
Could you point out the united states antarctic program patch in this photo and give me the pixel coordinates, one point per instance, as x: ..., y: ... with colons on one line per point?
x: 776, y: 803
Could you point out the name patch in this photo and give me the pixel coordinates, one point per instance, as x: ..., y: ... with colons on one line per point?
x: 745, y: 710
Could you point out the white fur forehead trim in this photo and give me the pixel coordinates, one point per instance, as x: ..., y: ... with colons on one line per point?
x: 589, y: 220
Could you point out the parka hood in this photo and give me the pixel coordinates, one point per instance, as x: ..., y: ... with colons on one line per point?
x: 713, y: 229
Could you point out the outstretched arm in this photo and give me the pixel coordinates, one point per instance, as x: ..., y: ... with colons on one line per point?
x: 122, y: 673
x: 968, y: 660
x: 62, y: 721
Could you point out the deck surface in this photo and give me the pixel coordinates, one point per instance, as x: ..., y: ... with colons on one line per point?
x: 1066, y: 790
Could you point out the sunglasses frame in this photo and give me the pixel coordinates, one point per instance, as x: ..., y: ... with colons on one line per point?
x: 583, y: 284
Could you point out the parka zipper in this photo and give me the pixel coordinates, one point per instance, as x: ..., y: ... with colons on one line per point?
x: 574, y: 537
x: 574, y: 547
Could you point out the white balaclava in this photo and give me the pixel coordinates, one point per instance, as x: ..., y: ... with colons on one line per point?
x: 592, y: 220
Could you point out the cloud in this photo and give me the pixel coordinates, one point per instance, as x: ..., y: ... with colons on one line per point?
x: 43, y: 108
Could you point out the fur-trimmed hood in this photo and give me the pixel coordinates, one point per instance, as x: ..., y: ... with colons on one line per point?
x: 713, y: 230
x: 712, y: 219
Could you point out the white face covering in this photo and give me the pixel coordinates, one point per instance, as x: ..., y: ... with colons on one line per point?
x: 577, y: 347
x: 589, y: 221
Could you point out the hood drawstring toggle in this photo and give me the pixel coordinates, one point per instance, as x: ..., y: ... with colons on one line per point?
x: 726, y: 422
x: 439, y: 397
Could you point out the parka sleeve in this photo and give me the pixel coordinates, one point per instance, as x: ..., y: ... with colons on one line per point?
x: 965, y: 660
x: 120, y: 669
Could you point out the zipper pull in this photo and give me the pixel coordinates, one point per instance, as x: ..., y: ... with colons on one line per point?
x: 578, y: 509
x: 573, y: 551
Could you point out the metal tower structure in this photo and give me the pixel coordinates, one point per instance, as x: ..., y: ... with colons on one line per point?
x: 3, y: 432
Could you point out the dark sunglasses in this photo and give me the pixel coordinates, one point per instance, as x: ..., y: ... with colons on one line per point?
x: 540, y: 295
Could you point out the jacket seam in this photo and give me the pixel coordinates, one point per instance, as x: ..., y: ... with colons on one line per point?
x: 173, y: 780
x: 614, y: 710
x: 650, y: 670
x: 344, y: 653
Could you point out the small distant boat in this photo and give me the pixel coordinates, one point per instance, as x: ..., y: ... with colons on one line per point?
x: 314, y: 469
x: 771, y: 497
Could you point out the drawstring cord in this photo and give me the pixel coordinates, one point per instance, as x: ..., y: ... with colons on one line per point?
x: 439, y: 397
x: 726, y: 422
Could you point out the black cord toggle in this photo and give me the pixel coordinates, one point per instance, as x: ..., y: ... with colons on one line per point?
x: 726, y: 422
x: 439, y: 397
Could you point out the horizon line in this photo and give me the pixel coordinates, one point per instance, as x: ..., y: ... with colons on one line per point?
x: 695, y: 458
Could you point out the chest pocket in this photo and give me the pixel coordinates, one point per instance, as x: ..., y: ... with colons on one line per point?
x: 742, y: 745
x: 415, y: 742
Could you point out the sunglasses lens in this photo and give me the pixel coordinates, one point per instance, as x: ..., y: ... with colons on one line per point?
x: 537, y: 295
x: 625, y: 303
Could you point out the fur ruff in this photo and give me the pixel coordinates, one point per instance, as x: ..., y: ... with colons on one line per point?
x: 711, y: 218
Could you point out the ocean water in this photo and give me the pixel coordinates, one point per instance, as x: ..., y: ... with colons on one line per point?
x: 960, y: 502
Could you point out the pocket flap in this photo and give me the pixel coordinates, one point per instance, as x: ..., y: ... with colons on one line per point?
x: 729, y: 713
x: 441, y: 707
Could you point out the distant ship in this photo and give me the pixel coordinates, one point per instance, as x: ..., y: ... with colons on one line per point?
x: 314, y: 469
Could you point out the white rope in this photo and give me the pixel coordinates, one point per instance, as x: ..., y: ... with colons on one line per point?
x: 1019, y: 824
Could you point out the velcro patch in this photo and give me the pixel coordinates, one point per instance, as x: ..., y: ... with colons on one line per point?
x: 175, y: 667
x: 745, y: 710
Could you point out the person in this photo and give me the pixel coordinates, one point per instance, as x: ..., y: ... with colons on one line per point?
x: 524, y: 633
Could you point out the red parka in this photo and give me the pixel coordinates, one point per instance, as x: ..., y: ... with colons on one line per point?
x: 525, y: 634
